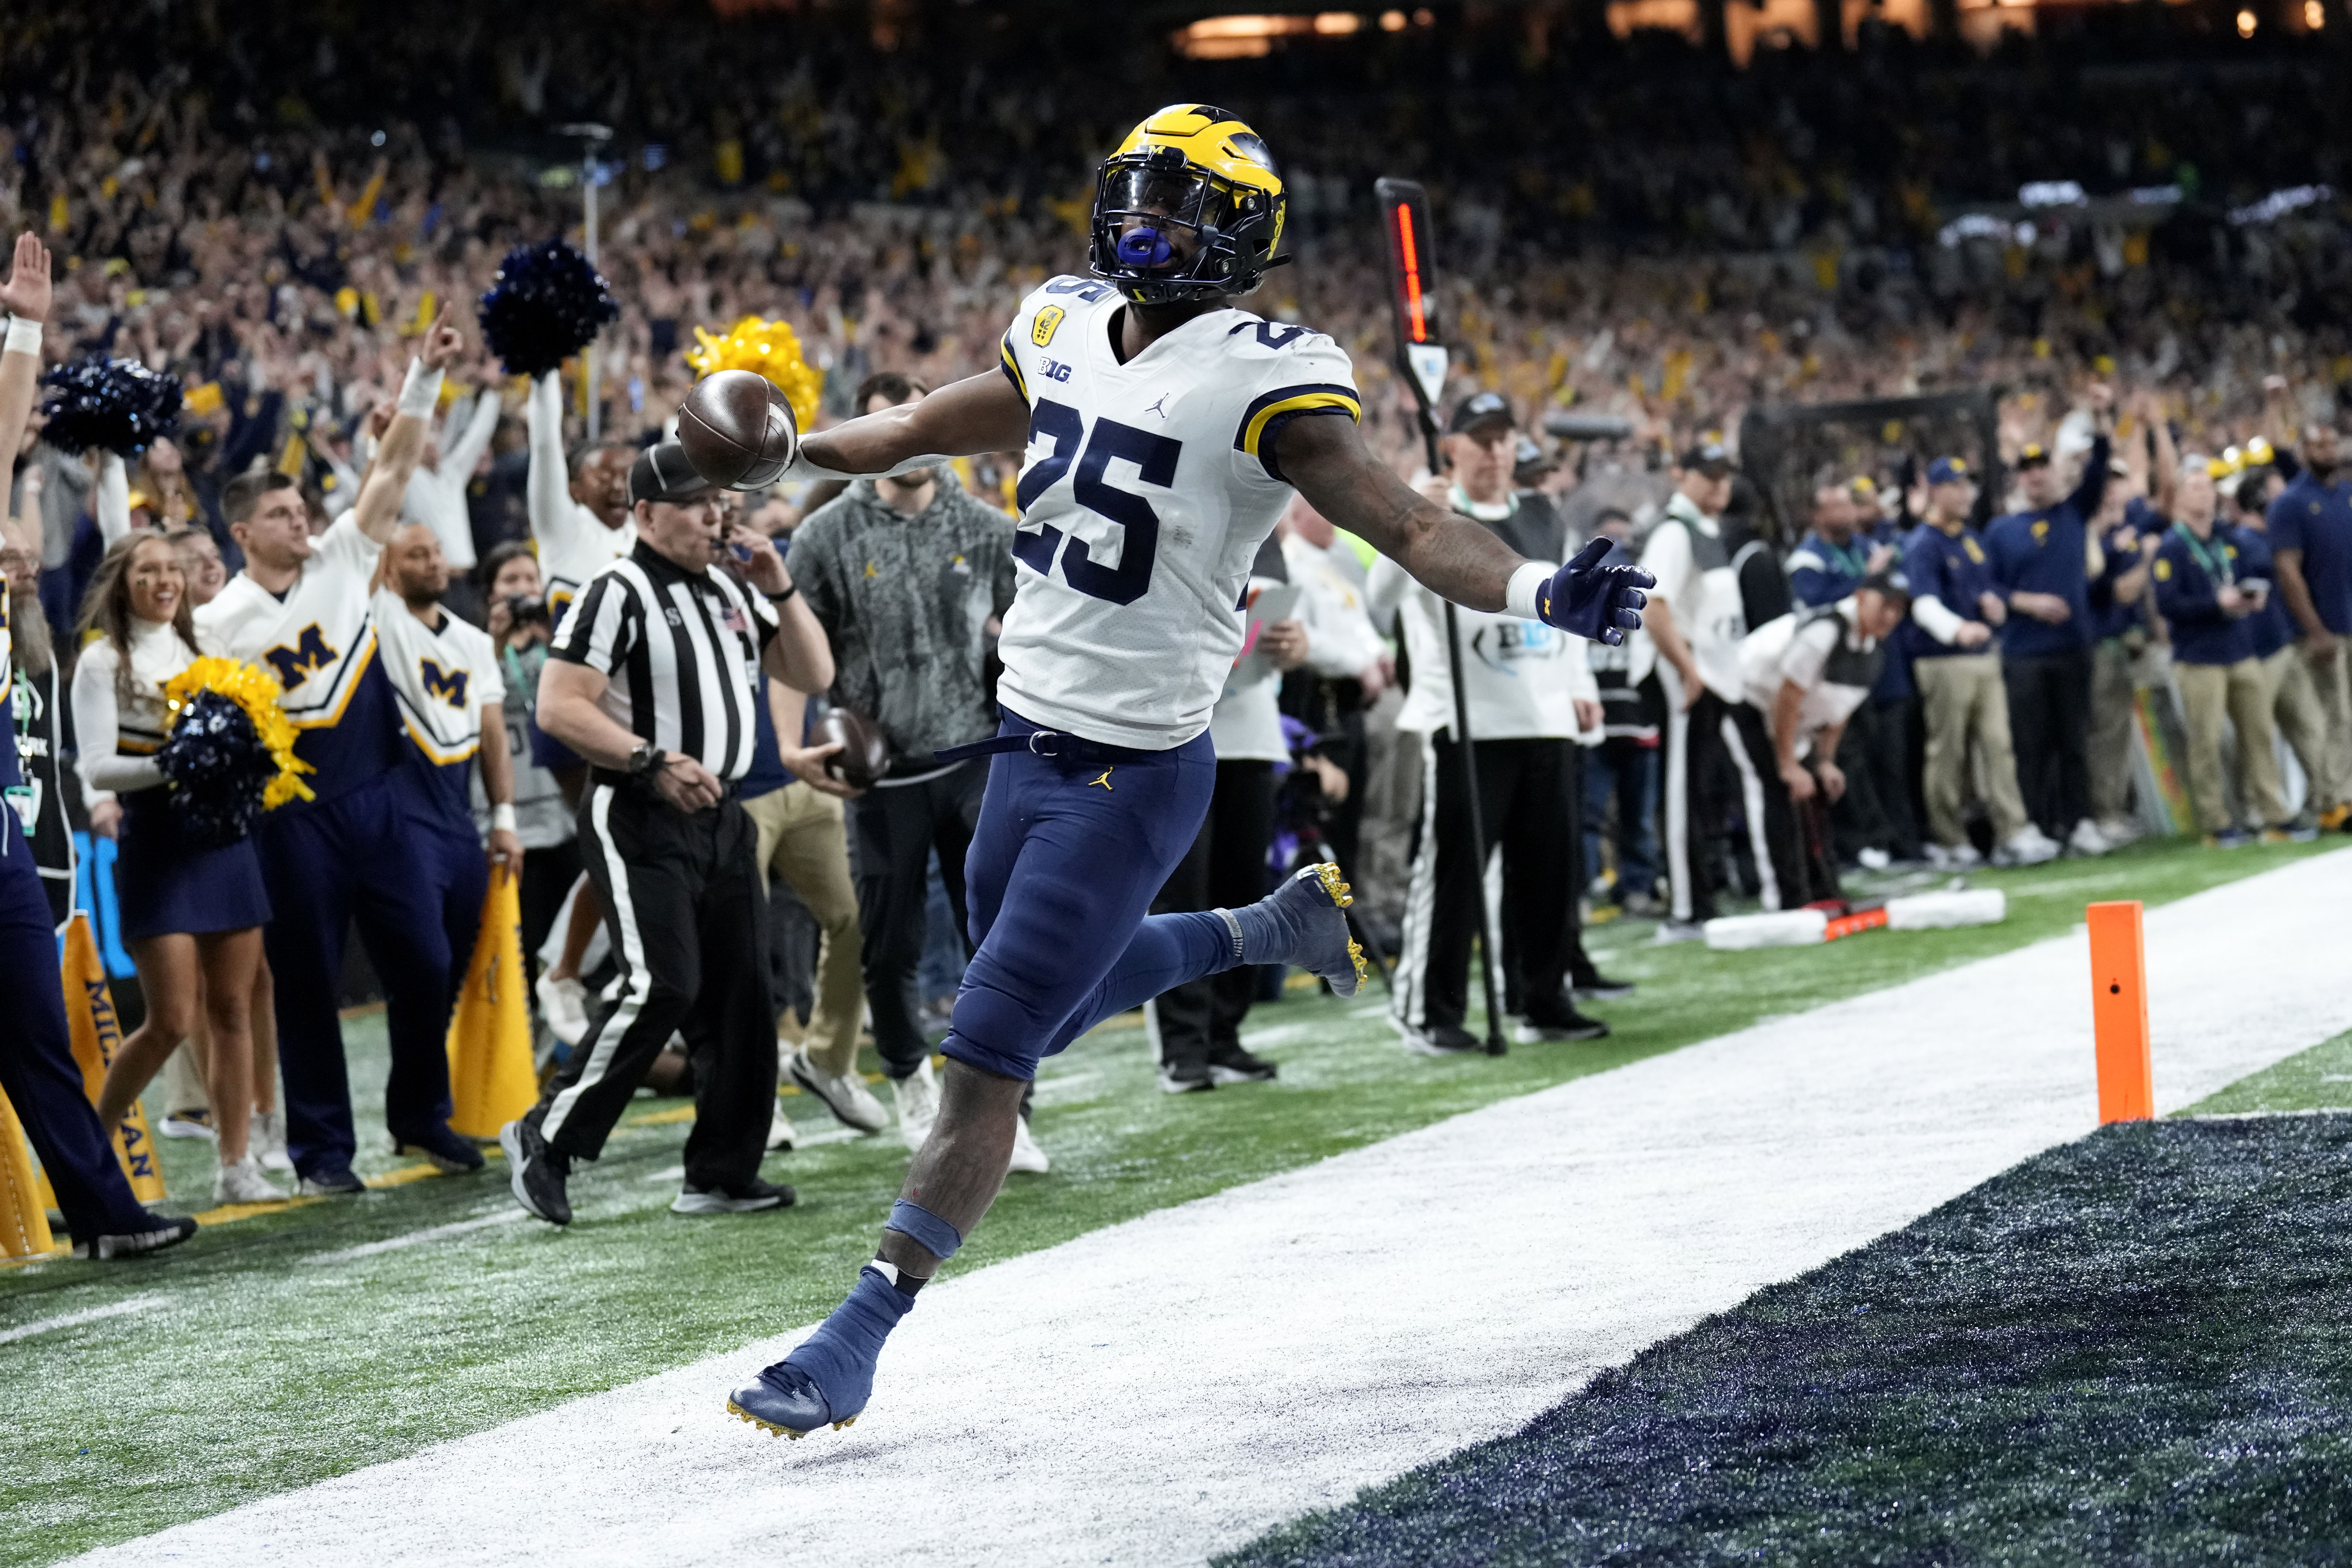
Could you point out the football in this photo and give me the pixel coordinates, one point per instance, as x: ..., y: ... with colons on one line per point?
x: 738, y: 430
x: 865, y: 753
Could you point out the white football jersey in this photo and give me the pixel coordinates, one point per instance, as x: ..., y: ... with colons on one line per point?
x: 573, y: 542
x: 320, y: 642
x: 1148, y: 489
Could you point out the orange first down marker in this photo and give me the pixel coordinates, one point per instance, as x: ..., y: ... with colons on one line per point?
x: 2119, y: 1012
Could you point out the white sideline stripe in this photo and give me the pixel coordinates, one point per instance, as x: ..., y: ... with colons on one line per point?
x: 74, y: 1320
x: 1173, y: 1386
x: 419, y: 1237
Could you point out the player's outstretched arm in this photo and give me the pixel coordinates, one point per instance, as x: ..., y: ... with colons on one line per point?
x: 1326, y: 459
x: 377, y: 509
x: 978, y: 413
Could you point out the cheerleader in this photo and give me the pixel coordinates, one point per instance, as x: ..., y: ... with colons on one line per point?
x: 192, y: 916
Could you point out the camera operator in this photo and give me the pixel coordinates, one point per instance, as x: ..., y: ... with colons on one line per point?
x: 521, y: 625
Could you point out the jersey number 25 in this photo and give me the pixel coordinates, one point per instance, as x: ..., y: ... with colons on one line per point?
x: 1154, y: 457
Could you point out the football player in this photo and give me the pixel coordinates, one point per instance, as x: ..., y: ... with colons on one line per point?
x: 1165, y: 429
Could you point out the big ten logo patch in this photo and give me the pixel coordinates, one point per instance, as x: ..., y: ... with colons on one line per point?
x: 309, y: 652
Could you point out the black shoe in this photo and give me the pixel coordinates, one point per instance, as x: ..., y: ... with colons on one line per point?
x: 742, y: 1197
x: 1598, y: 986
x: 442, y: 1149
x: 536, y: 1173
x: 1235, y: 1065
x: 332, y: 1182
x: 1442, y: 1040
x: 1559, y: 1023
x: 1189, y: 1077
x: 163, y: 1233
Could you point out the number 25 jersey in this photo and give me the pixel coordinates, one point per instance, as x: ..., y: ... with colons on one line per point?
x: 1148, y: 489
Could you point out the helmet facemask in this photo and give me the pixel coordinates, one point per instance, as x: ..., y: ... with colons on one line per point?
x: 1165, y: 229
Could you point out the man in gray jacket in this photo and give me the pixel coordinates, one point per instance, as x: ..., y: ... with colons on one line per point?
x: 910, y: 578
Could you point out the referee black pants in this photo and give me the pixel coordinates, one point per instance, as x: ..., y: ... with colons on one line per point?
x: 1528, y: 808
x: 2049, y: 723
x: 1200, y: 1020
x: 689, y: 929
x: 895, y: 829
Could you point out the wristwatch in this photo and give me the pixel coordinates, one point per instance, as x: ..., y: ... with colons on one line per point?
x: 643, y: 761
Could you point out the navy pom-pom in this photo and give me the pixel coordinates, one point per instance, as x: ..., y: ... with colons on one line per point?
x: 113, y: 404
x: 217, y: 768
x: 546, y: 304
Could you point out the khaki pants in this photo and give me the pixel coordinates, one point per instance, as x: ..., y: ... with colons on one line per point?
x: 2115, y: 713
x: 2331, y: 683
x: 2240, y: 693
x: 802, y: 839
x: 1963, y: 699
x: 2295, y: 707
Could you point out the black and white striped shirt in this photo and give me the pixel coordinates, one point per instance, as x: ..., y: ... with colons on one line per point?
x: 682, y: 650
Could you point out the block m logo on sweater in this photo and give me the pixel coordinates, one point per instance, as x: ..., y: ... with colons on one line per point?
x: 310, y: 651
x: 447, y: 685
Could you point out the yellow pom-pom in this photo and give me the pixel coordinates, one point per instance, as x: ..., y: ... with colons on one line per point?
x: 771, y: 348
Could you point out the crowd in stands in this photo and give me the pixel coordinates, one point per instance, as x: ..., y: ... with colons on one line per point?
x: 277, y: 213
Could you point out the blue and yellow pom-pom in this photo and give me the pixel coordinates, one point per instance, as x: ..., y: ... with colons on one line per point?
x: 546, y: 304
x: 230, y: 754
x: 771, y: 348
x: 115, y: 406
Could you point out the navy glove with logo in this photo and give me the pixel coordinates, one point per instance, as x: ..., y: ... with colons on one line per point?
x: 1602, y: 603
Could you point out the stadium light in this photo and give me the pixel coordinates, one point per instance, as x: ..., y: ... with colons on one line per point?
x: 2246, y: 23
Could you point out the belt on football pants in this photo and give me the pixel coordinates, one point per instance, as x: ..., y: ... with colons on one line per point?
x: 1046, y: 743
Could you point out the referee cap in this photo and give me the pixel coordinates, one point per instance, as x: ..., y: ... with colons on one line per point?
x: 661, y: 473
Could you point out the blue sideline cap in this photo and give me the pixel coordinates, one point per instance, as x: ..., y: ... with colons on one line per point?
x: 1948, y: 472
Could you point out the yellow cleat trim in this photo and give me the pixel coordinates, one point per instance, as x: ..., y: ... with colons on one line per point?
x: 1333, y: 885
x: 1356, y: 957
x: 773, y: 1431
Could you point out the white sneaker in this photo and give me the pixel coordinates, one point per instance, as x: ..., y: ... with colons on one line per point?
x: 846, y: 1096
x: 185, y: 1124
x: 564, y: 1004
x: 243, y: 1183
x: 1961, y: 856
x: 1026, y: 1155
x: 1872, y: 858
x: 268, y: 1140
x: 2027, y: 847
x: 2120, y: 831
x: 781, y: 1134
x: 918, y: 1104
x: 2086, y: 838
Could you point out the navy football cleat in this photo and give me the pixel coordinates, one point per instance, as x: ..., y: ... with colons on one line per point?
x: 1303, y: 922
x: 785, y: 1401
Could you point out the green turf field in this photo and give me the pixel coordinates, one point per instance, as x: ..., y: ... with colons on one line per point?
x: 2317, y: 1079
x: 290, y: 1347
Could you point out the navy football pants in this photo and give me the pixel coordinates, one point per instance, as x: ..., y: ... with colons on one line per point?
x: 36, y: 1066
x: 1067, y: 858
x: 413, y: 881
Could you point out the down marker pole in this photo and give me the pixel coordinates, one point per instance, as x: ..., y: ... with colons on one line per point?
x: 2119, y: 1012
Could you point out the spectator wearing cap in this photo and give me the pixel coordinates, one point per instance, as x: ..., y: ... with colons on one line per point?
x: 2210, y: 609
x: 1530, y: 698
x: 1805, y: 675
x: 1851, y: 539
x: 2311, y: 539
x: 1696, y: 617
x: 653, y: 679
x: 2044, y: 560
x: 2295, y: 704
x: 1955, y: 606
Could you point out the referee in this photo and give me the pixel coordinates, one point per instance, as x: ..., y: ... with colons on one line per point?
x: 653, y: 679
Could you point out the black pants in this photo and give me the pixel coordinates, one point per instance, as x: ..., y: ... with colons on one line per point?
x: 1527, y: 794
x: 894, y: 831
x: 2049, y: 723
x: 689, y: 928
x: 1875, y: 754
x: 1698, y: 792
x: 547, y: 878
x: 1201, y: 1019
x: 1796, y: 832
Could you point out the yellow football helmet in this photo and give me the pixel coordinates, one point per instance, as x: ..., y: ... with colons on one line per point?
x: 1195, y: 173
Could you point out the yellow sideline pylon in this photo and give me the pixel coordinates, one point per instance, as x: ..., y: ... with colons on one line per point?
x: 23, y: 1224
x: 491, y: 1080
x: 96, y: 1035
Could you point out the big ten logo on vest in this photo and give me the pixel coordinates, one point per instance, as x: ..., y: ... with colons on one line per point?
x: 447, y: 686
x: 1510, y: 641
x: 309, y: 652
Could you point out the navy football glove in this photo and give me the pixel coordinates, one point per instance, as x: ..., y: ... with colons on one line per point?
x: 1602, y: 603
